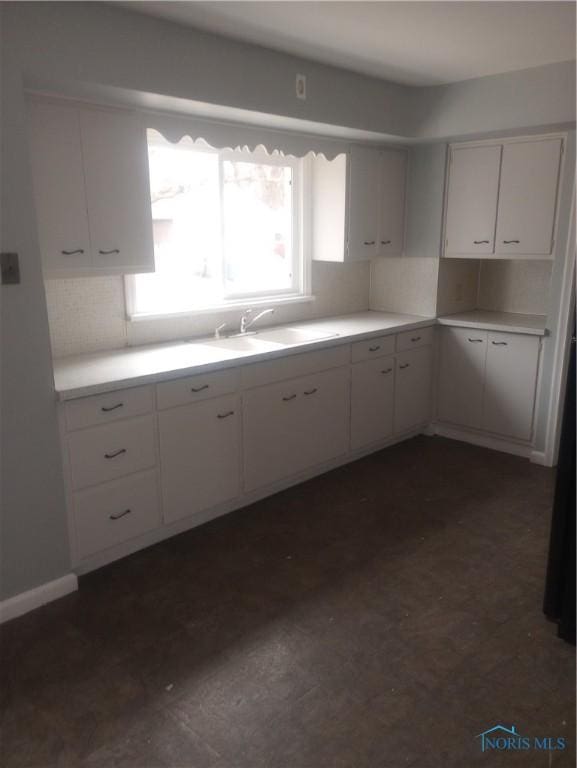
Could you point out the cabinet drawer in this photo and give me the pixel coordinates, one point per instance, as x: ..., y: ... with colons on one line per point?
x: 420, y: 337
x: 193, y: 389
x: 101, y: 409
x: 105, y: 453
x: 294, y: 365
x: 115, y: 512
x: 365, y: 350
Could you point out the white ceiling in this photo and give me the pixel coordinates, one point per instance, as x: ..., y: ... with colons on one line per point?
x: 415, y: 43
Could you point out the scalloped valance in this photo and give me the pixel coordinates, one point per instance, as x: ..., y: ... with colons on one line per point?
x: 237, y: 136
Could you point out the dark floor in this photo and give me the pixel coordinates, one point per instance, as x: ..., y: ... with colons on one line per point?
x: 379, y: 616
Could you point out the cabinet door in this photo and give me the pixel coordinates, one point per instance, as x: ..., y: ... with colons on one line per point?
x: 372, y: 401
x: 117, y: 191
x: 199, y: 456
x: 325, y: 405
x: 528, y: 197
x: 412, y: 389
x: 510, y: 382
x: 58, y: 176
x: 392, y: 207
x: 461, y: 376
x: 294, y: 425
x: 363, y: 203
x: 472, y: 200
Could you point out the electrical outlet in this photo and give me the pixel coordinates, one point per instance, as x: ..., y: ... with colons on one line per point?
x: 10, y: 268
x: 301, y: 87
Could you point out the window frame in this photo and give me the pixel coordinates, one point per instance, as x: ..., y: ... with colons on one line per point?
x: 300, y: 291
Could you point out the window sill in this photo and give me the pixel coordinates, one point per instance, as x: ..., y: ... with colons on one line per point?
x: 240, y: 306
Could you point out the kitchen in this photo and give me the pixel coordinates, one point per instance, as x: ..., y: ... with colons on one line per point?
x: 238, y: 298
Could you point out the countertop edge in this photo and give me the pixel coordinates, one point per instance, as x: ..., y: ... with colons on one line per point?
x: 489, y: 326
x: 64, y: 395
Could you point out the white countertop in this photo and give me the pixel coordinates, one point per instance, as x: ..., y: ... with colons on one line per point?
x: 83, y: 375
x: 508, y: 322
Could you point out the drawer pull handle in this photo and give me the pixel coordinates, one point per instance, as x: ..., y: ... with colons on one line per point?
x: 108, y: 253
x: 114, y: 455
x: 311, y: 391
x: 506, y: 242
x: 499, y: 343
x: 375, y: 349
x: 199, y: 389
x: 118, y: 515
x: 368, y: 242
x: 480, y: 242
x: 72, y: 253
x: 387, y: 370
x: 289, y: 397
x: 224, y: 415
x: 386, y: 242
x: 415, y: 338
x: 404, y: 365
x: 475, y: 341
x: 106, y: 409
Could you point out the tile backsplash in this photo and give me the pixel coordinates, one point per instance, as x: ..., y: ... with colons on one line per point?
x: 89, y: 314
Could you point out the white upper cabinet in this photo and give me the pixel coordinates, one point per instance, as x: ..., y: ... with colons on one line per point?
x: 90, y: 173
x: 117, y: 191
x: 364, y: 183
x: 472, y: 200
x: 528, y: 197
x: 392, y: 202
x: 56, y: 160
x: 501, y: 199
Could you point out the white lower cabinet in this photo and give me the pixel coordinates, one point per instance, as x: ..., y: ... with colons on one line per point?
x: 413, y: 389
x: 199, y: 456
x: 372, y: 401
x: 510, y: 384
x: 463, y: 352
x: 291, y: 426
x: 115, y: 512
x: 487, y: 381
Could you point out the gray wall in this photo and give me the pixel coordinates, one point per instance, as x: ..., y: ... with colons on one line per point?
x: 62, y: 44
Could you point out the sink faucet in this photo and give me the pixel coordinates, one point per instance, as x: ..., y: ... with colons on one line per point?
x: 246, y: 321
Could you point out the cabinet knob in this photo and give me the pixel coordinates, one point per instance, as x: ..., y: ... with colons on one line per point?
x: 224, y: 415
x: 368, y: 242
x: 475, y: 341
x: 375, y: 348
x: 404, y: 365
x: 499, y: 343
x: 387, y: 370
x: 107, y: 253
x: 415, y: 338
x: 115, y: 454
x: 506, y: 242
x: 479, y: 242
x: 310, y: 391
x: 199, y: 389
x: 289, y: 397
x: 118, y: 515
x: 72, y: 253
x: 386, y: 242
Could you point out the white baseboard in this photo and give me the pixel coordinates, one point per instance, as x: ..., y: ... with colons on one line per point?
x: 483, y: 440
x: 34, y: 598
x: 540, y: 457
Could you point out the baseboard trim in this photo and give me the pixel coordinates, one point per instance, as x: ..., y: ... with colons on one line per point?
x: 20, y: 604
x: 540, y: 457
x: 484, y: 440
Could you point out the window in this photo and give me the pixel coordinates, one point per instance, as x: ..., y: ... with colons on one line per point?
x: 227, y: 229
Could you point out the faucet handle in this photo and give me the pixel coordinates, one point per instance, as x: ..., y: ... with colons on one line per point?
x: 218, y: 329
